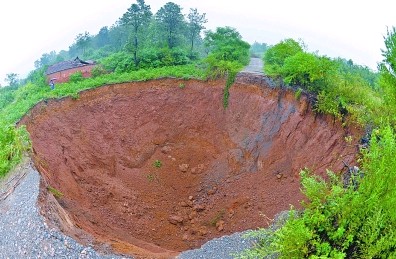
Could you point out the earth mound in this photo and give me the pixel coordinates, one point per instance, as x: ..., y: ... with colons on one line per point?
x: 157, y: 167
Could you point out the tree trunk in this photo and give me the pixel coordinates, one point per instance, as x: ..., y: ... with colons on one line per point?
x: 192, y: 44
x: 136, y: 47
x: 170, y: 40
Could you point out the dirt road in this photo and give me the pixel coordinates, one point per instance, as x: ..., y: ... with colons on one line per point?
x: 255, y: 66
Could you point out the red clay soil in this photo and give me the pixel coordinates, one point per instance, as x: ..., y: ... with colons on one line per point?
x: 154, y: 168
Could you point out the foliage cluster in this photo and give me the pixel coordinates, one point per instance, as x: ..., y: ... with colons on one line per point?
x: 338, y: 221
x: 352, y: 219
x: 16, y: 101
x: 140, y: 39
x: 228, y: 53
x: 342, y: 88
x: 13, y: 142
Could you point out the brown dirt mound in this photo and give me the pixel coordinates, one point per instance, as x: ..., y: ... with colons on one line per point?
x: 152, y: 168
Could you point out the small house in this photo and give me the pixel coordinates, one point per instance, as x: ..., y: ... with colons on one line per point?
x: 60, y: 72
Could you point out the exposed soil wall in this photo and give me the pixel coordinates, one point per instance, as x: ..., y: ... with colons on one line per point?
x: 152, y: 168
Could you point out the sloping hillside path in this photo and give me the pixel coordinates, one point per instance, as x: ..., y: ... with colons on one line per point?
x: 255, y: 66
x: 24, y: 233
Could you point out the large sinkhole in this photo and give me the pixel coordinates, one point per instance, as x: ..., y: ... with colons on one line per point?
x: 159, y: 167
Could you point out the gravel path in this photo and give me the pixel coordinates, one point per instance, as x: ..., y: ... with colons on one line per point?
x: 24, y: 234
x: 219, y: 248
x: 255, y: 66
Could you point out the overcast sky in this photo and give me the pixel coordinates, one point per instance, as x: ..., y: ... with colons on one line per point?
x: 338, y: 28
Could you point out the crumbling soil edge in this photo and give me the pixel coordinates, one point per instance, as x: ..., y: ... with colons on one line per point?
x: 119, y: 245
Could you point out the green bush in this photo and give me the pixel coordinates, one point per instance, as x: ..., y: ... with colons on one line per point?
x: 13, y: 142
x: 274, y: 57
x: 119, y: 62
x: 342, y: 222
x: 98, y: 70
x: 76, y: 77
x: 338, y: 221
x: 308, y: 71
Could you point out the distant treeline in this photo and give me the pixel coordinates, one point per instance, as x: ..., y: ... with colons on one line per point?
x: 142, y: 39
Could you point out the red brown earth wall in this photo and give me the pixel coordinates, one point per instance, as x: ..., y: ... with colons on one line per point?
x: 222, y: 170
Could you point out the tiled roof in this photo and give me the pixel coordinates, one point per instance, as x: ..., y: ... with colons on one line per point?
x: 64, y: 65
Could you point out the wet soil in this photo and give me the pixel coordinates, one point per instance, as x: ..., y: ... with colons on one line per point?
x: 158, y: 167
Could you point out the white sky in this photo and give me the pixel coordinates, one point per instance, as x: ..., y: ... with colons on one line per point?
x: 338, y: 28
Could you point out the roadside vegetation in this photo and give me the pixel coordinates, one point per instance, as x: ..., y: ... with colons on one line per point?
x: 139, y: 46
x: 341, y: 219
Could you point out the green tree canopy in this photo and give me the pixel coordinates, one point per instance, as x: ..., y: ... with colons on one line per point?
x: 275, y: 57
x: 102, y: 39
x: 170, y: 18
x: 82, y: 42
x: 138, y: 16
x: 308, y: 70
x: 12, y: 79
x: 387, y: 69
x: 46, y: 59
x: 196, y: 23
x: 226, y: 44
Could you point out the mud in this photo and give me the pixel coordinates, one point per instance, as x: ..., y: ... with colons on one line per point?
x: 158, y: 167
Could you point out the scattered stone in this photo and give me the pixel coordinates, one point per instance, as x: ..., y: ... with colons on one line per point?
x: 199, y: 207
x: 211, y: 191
x: 175, y: 220
x: 193, y: 231
x: 231, y: 213
x: 183, y: 167
x: 190, y: 197
x: 220, y: 225
x: 279, y: 176
x: 185, y: 237
x: 192, y: 215
x: 202, y: 231
x: 183, y: 204
x: 198, y: 170
x: 165, y: 149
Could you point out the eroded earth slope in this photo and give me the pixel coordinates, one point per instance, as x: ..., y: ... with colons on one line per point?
x: 158, y: 167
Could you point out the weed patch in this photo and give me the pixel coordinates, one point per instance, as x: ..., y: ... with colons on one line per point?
x: 57, y: 194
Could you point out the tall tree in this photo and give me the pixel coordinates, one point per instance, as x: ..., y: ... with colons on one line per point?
x: 195, y: 25
x: 172, y: 20
x: 102, y: 39
x: 46, y: 59
x: 387, y: 69
x: 82, y: 41
x: 12, y: 79
x: 138, y: 16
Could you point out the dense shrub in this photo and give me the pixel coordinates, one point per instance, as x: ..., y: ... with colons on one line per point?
x: 76, y: 77
x: 342, y: 222
x: 308, y: 71
x: 13, y: 142
x: 274, y: 57
x: 118, y: 62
